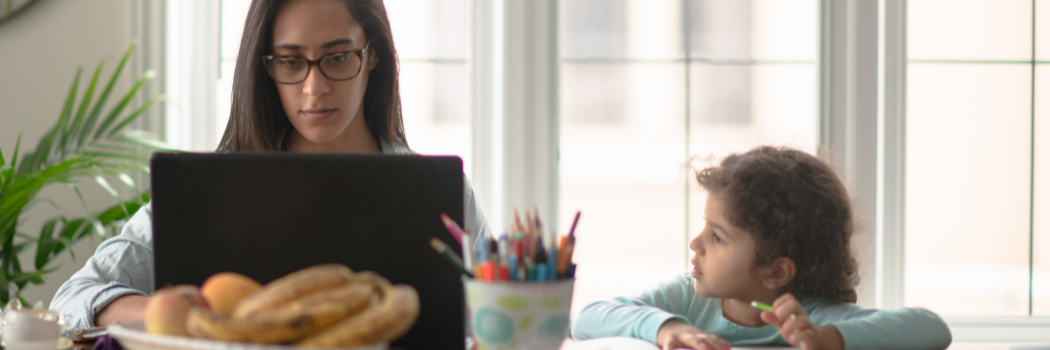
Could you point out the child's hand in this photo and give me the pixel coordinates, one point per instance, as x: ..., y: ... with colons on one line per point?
x: 675, y: 334
x: 796, y: 327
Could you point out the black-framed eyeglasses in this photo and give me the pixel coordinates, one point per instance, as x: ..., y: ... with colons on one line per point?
x: 336, y: 66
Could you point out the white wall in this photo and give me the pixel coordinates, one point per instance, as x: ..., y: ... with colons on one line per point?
x: 41, y: 49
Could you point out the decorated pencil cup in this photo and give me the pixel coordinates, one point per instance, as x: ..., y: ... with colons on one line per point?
x: 518, y: 315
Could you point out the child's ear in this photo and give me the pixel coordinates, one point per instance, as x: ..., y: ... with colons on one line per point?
x: 778, y: 273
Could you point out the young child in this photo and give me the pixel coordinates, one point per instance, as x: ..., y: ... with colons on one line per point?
x: 778, y: 228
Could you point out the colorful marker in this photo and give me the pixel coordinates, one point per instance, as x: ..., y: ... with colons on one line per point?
x: 761, y: 306
x: 453, y: 228
x: 451, y: 257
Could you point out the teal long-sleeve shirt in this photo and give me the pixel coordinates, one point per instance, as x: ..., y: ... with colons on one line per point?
x: 642, y: 316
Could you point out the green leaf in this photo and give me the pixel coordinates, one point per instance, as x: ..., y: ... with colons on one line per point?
x: 10, y: 260
x: 14, y: 156
x: 134, y: 115
x: 145, y: 139
x: 46, y: 243
x: 20, y: 247
x: 32, y: 161
x: 93, y: 117
x: 63, y: 244
x: 98, y: 226
x: 45, y: 200
x: 4, y: 291
x: 31, y: 276
x: 59, y: 132
x: 113, y: 114
x: 70, y: 135
x: 127, y: 180
x: 76, y: 189
x: 137, y: 159
x: 130, y: 167
x: 14, y: 198
x: 123, y: 211
x: 113, y: 147
x: 72, y: 228
x: 105, y: 185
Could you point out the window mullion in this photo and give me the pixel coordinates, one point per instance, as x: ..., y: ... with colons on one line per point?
x: 191, y: 71
x: 890, y: 222
x: 530, y: 108
x: 849, y: 95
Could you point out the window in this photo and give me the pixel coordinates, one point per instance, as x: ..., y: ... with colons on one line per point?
x: 646, y: 85
x: 643, y: 86
x: 976, y: 244
x: 433, y: 43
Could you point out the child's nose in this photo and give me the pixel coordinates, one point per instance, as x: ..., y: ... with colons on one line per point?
x: 696, y: 245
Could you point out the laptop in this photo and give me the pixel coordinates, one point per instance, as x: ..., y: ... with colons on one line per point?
x: 266, y: 215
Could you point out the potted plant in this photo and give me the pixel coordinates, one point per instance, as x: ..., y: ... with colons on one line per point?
x: 83, y: 144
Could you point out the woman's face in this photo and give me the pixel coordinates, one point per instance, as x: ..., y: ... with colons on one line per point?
x: 321, y: 110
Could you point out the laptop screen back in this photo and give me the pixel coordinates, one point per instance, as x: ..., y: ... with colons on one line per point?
x: 267, y: 215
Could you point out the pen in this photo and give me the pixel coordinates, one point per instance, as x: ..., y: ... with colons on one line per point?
x: 541, y: 272
x: 761, y: 306
x: 552, y: 260
x: 453, y: 228
x: 483, y: 249
x: 486, y: 271
x: 512, y: 266
x: 567, y: 245
x: 575, y: 220
x: 517, y: 221
x: 530, y: 269
x: 451, y: 257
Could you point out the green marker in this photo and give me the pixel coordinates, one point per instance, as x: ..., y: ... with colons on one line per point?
x: 761, y: 306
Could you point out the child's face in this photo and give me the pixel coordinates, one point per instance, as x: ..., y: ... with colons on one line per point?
x: 722, y: 257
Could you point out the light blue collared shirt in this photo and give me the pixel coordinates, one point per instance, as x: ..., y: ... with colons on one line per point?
x: 641, y: 317
x: 123, y: 265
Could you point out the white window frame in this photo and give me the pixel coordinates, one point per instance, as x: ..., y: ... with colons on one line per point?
x: 191, y: 68
x: 515, y: 99
x: 890, y: 187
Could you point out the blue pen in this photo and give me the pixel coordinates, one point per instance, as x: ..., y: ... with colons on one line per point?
x: 530, y: 269
x: 552, y: 262
x: 502, y: 247
x: 484, y: 249
x: 541, y: 272
x: 513, y: 266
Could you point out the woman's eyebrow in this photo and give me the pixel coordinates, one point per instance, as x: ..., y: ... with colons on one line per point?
x: 295, y: 47
x: 292, y: 47
x: 337, y: 42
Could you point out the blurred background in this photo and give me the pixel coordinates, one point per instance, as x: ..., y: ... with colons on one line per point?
x: 951, y: 189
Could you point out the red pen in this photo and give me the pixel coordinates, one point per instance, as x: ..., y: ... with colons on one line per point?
x: 453, y: 228
x: 504, y: 273
x: 486, y: 271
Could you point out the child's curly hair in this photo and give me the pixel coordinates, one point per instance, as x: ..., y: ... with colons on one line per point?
x: 795, y: 206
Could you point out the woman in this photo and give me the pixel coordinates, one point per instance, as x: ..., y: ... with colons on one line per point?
x: 312, y: 76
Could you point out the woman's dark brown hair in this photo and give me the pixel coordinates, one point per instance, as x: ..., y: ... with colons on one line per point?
x: 795, y: 206
x: 257, y: 118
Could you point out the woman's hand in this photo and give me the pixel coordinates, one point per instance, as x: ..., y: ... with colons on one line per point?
x: 798, y: 329
x: 675, y: 334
